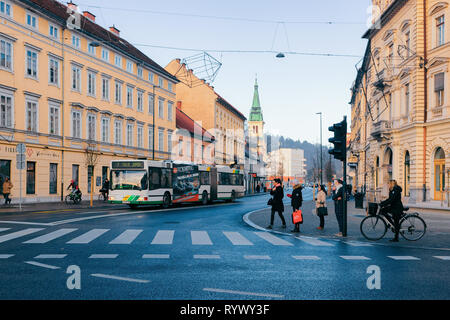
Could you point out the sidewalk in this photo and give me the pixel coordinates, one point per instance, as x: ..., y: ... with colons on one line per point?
x: 438, y: 231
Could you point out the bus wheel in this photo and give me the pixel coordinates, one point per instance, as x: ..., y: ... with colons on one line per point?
x: 133, y: 206
x: 205, y: 198
x: 233, y: 197
x: 166, y: 200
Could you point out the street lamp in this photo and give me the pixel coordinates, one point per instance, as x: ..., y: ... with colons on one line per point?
x: 154, y: 111
x: 321, y: 160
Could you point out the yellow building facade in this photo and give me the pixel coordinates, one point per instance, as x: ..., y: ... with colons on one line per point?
x: 67, y: 85
x: 401, y: 104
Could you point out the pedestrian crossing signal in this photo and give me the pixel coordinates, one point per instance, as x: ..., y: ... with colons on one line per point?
x: 339, y: 140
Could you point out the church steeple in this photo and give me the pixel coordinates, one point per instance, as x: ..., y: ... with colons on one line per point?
x: 256, y: 112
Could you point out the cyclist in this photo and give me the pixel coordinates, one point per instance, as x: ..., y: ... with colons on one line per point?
x: 394, y: 206
x: 75, y: 188
x: 105, y: 189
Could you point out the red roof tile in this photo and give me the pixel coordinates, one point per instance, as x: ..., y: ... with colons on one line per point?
x: 186, y: 122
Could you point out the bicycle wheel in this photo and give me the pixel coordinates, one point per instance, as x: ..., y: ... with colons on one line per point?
x: 68, y: 200
x: 373, y: 227
x: 100, y: 197
x: 412, y: 227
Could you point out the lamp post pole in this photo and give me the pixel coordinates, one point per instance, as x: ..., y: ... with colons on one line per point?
x: 321, y: 158
x: 154, y: 111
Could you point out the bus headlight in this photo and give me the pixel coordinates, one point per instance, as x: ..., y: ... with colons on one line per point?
x: 111, y: 198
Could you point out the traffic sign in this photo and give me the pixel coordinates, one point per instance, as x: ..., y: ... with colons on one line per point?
x: 21, y: 148
x: 20, y: 161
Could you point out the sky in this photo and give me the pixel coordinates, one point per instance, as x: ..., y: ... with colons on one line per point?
x: 293, y: 89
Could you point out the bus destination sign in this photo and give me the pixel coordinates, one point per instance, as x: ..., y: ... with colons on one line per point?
x: 128, y: 165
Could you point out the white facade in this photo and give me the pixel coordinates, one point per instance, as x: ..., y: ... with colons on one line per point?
x: 287, y: 163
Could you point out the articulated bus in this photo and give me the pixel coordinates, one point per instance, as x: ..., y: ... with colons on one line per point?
x: 147, y: 182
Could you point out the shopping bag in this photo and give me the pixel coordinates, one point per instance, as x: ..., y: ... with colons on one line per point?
x: 297, y: 216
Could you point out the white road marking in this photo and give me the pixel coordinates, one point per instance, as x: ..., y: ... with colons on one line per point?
x: 403, y: 258
x: 51, y: 256
x: 88, y: 236
x: 256, y: 257
x: 269, y: 295
x: 206, y: 256
x: 6, y: 256
x: 103, y: 256
x: 306, y: 257
x: 354, y: 258
x: 127, y: 237
x: 99, y: 275
x: 237, y: 239
x: 442, y: 257
x: 155, y: 256
x: 51, y: 236
x: 315, y: 242
x: 27, y: 223
x: 18, y: 234
x: 34, y: 263
x: 4, y: 229
x: 272, y: 239
x: 163, y: 237
x: 200, y: 238
x: 358, y: 244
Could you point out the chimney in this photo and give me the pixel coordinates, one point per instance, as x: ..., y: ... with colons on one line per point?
x: 72, y: 6
x: 179, y: 105
x: 89, y: 15
x: 114, y: 30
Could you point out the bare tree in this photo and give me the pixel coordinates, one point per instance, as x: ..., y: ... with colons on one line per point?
x: 91, y: 159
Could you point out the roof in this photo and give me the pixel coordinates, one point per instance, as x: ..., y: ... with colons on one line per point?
x: 183, y: 121
x: 256, y: 112
x: 228, y: 105
x: 385, y: 18
x: 58, y: 11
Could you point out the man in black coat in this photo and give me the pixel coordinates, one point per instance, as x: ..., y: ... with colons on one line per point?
x: 394, y: 206
x: 277, y: 203
x: 338, y: 197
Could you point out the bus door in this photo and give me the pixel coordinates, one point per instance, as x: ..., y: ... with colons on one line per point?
x: 213, y: 177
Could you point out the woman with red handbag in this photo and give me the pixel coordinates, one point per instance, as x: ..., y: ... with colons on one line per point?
x: 296, y: 203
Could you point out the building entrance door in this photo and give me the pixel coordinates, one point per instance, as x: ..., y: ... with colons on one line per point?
x: 439, y: 179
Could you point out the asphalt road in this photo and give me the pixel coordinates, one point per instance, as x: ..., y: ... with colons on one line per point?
x: 195, y: 252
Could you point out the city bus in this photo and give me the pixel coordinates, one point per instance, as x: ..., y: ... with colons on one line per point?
x: 147, y: 182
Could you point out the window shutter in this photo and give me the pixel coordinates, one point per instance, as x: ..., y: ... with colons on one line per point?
x: 439, y: 82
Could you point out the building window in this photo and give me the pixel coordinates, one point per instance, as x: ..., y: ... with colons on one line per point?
x: 129, y: 97
x: 118, y: 132
x: 90, y: 174
x: 5, y: 55
x: 151, y: 104
x: 76, y: 173
x: 161, y: 108
x: 161, y: 82
x: 140, y: 72
x: 169, y: 141
x: 118, y: 61
x: 169, y: 86
x: 76, y: 78
x: 160, y: 139
x: 6, y: 111
x: 53, y: 72
x: 32, y: 20
x: 105, y: 89
x: 91, y: 124
x: 140, y: 136
x: 76, y: 124
x: 407, y: 99
x: 53, y: 31
x: 53, y: 178
x: 150, y: 138
x: 150, y: 77
x: 408, y: 43
x: 169, y: 110
x: 31, y: 116
x: 105, y: 130
x: 76, y: 41
x: 129, y: 134
x: 5, y: 8
x: 140, y: 101
x: 54, y: 119
x: 440, y: 29
x: 118, y: 95
x: 129, y: 66
x: 91, y: 48
x: 32, y: 63
x: 91, y: 83
x: 105, y: 55
x: 439, y: 89
x: 188, y: 148
x: 180, y: 147
x: 31, y: 177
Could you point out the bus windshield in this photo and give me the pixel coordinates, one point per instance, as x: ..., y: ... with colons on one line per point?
x: 129, y: 180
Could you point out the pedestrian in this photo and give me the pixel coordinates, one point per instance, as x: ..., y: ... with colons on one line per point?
x: 321, y: 206
x: 105, y: 189
x: 296, y: 203
x: 258, y: 188
x: 277, y: 203
x: 338, y: 198
x: 394, y: 206
x: 7, y: 186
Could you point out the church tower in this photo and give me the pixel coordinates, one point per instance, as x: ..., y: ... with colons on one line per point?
x: 256, y: 126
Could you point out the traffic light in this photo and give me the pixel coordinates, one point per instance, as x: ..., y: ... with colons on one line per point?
x: 339, y: 140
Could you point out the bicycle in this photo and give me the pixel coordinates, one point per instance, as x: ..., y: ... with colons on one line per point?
x: 102, y: 196
x: 73, y: 197
x: 375, y: 226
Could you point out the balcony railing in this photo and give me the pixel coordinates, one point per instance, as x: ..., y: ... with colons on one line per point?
x: 380, y: 128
